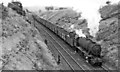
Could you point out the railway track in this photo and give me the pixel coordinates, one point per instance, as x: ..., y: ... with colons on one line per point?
x: 69, y: 60
x: 73, y: 62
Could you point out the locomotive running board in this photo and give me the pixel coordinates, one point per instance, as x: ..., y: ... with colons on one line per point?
x: 85, y: 53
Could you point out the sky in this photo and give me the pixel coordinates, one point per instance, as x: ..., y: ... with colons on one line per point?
x: 89, y: 8
x: 73, y: 3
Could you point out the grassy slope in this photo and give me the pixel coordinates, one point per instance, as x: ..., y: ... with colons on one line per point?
x: 22, y: 46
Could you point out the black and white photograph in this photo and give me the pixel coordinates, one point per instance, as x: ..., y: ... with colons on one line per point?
x: 59, y: 35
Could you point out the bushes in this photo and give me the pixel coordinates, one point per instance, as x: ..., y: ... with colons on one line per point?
x: 4, y: 11
x: 108, y: 33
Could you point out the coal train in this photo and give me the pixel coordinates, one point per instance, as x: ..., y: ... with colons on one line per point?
x: 17, y: 6
x: 90, y: 50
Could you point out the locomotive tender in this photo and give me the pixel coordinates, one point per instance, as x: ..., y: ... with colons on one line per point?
x: 90, y: 50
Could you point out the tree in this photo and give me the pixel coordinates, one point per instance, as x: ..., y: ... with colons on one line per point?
x: 108, y: 2
x: 49, y: 8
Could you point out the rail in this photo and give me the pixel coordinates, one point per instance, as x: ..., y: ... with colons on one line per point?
x: 102, y: 68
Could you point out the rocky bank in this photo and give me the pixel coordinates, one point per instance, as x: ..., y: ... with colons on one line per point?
x: 21, y: 46
x: 108, y: 32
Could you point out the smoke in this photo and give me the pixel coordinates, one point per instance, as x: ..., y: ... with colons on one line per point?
x: 93, y: 21
x: 90, y: 11
x: 93, y: 17
x: 77, y: 31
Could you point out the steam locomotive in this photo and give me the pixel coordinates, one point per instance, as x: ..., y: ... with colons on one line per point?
x: 17, y: 6
x: 90, y: 50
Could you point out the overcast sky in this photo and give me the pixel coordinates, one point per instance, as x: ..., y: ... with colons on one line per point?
x: 74, y: 3
x: 89, y: 8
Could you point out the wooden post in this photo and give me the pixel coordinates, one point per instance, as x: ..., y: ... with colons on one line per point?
x: 58, y: 61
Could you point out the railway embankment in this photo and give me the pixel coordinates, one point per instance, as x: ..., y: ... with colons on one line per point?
x: 108, y: 32
x: 21, y: 45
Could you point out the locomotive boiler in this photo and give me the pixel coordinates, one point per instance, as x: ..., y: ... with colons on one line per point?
x: 91, y: 50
